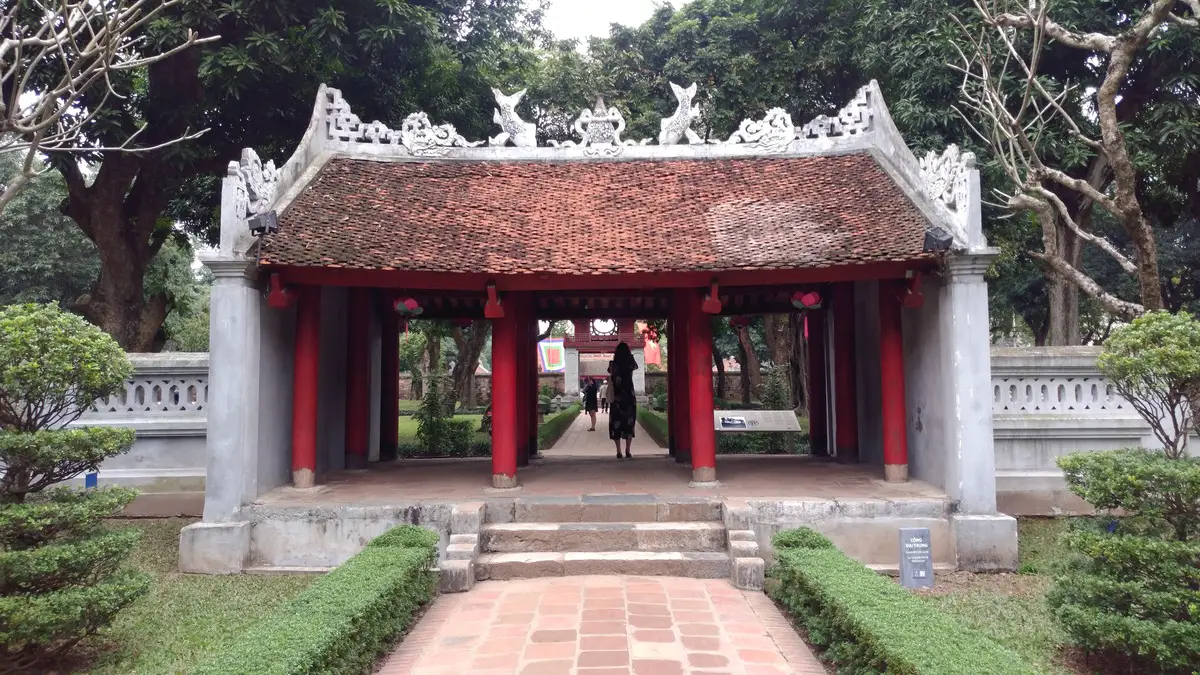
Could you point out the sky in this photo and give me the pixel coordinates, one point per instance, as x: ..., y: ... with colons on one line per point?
x: 584, y: 18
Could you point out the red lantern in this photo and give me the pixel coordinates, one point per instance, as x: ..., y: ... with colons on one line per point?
x: 806, y: 300
x: 408, y: 307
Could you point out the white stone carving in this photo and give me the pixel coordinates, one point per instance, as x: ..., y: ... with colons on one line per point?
x: 512, y: 128
x: 679, y: 126
x: 773, y: 133
x: 155, y: 395
x: 344, y: 125
x: 424, y: 139
x: 599, y: 131
x: 852, y: 120
x: 255, y: 188
x: 945, y: 176
x: 1064, y: 395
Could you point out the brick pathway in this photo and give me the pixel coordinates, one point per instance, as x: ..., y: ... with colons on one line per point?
x: 577, y: 441
x: 603, y: 625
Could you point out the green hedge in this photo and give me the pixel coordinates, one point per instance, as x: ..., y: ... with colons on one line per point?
x: 655, y: 424
x: 553, y: 427
x: 344, y: 621
x: 867, y: 623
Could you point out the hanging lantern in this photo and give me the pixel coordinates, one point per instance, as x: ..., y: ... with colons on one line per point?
x: 408, y: 307
x: 806, y: 300
x: 712, y: 301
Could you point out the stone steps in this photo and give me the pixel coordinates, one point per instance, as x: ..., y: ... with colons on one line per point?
x: 530, y: 565
x: 604, y: 536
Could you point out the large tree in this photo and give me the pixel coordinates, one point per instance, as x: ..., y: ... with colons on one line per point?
x: 256, y: 87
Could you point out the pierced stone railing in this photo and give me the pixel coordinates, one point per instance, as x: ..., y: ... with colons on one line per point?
x: 1046, y: 380
x: 171, y: 385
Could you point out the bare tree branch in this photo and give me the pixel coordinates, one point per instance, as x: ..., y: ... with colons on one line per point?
x: 53, y: 54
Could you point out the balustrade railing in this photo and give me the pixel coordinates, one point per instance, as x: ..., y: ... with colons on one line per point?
x: 1051, y: 380
x: 163, y: 385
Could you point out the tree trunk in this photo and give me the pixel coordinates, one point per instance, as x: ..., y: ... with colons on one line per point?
x: 470, y: 345
x: 777, y: 333
x: 798, y: 366
x: 751, y: 369
x: 1063, y: 328
x: 719, y: 359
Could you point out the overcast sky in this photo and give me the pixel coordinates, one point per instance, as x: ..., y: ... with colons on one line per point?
x: 583, y: 18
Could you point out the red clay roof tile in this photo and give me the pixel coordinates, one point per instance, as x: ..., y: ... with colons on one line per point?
x: 598, y: 217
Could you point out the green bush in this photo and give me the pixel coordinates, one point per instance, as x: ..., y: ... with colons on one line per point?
x: 867, y: 623
x: 1132, y: 585
x: 61, y: 576
x: 344, y: 621
x: 801, y: 538
x: 1154, y: 362
x: 553, y: 427
x: 655, y: 425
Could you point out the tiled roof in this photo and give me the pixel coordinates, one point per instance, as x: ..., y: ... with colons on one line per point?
x: 598, y: 217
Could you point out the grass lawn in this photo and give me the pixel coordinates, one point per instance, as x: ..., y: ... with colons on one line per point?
x: 183, y: 618
x: 1011, y: 608
x: 410, y: 405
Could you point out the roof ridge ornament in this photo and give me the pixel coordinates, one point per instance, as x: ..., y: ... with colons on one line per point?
x: 945, y: 178
x: 512, y: 128
x: 852, y: 120
x: 424, y: 139
x: 773, y: 133
x: 599, y: 131
x: 256, y: 183
x: 678, y: 126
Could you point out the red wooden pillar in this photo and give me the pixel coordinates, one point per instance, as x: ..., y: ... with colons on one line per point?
x: 700, y: 393
x: 389, y: 390
x: 680, y: 302
x: 672, y: 391
x: 891, y: 371
x: 535, y: 383
x: 817, y: 432
x: 522, y: 379
x: 358, y: 378
x: 845, y: 387
x: 504, y: 398
x: 305, y: 386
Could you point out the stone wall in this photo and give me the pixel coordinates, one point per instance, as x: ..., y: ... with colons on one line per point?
x: 1046, y: 402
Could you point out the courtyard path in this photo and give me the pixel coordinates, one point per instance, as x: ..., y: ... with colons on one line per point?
x: 579, y: 442
x: 603, y: 625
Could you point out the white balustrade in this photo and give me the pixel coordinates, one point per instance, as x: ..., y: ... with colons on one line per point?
x: 163, y: 385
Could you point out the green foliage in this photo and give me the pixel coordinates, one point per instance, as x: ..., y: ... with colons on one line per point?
x: 553, y: 427
x: 344, y: 621
x: 407, y: 536
x: 655, y: 425
x: 437, y: 432
x: 866, y: 623
x: 33, y: 461
x: 53, y: 365
x: 1154, y: 362
x: 801, y: 537
x: 1132, y: 585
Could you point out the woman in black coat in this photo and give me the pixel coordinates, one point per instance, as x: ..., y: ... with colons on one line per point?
x: 622, y: 414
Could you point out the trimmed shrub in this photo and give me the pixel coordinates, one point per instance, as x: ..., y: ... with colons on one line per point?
x: 407, y: 536
x: 655, y: 425
x: 867, y: 623
x: 344, y: 621
x: 801, y: 538
x: 553, y: 427
x: 1154, y: 362
x: 1133, y: 583
x: 61, y: 576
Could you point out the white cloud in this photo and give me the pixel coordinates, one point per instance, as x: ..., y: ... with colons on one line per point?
x: 581, y: 19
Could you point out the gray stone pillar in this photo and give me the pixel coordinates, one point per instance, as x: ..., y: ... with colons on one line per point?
x: 639, y: 375
x: 571, y: 375
x: 233, y: 388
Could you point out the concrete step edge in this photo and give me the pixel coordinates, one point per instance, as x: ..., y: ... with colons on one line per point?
x: 285, y: 569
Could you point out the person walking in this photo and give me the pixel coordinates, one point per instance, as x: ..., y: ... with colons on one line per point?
x: 605, y: 396
x: 590, y: 395
x: 622, y: 416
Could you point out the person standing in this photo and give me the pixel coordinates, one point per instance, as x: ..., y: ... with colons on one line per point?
x: 605, y: 396
x: 590, y: 395
x: 622, y: 416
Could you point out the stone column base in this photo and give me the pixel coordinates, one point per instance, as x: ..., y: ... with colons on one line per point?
x: 303, y: 478
x: 704, y: 474
x: 502, y: 482
x: 985, y: 543
x: 895, y: 473
x: 214, y: 548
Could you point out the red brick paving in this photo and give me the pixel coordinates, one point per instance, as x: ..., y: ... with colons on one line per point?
x: 699, y: 626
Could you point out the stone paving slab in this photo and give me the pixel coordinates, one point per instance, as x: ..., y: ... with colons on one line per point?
x: 577, y: 441
x: 602, y: 625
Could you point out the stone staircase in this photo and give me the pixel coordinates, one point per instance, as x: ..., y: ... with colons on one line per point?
x: 603, y: 534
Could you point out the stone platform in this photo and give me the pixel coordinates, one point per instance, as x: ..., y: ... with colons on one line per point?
x: 291, y: 529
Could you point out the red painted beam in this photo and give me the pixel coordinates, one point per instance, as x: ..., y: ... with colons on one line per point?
x: 448, y: 281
